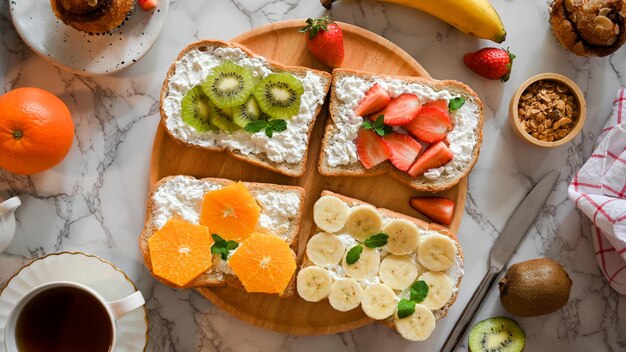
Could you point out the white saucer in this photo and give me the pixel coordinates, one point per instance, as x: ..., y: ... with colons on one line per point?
x: 80, y: 52
x: 102, y: 276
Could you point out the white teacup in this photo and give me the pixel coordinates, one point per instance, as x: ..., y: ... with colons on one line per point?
x: 114, y: 310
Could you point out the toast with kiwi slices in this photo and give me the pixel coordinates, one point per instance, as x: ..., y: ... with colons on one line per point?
x: 220, y: 96
x: 182, y: 198
x: 401, y: 271
x: 423, y: 132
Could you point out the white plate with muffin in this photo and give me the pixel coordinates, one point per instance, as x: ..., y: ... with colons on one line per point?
x: 88, y: 37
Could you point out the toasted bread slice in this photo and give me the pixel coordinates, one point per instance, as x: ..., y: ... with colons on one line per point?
x: 389, y: 215
x: 338, y: 154
x: 180, y: 197
x: 286, y: 152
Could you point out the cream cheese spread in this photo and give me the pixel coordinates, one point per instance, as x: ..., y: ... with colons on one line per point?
x: 288, y: 146
x: 350, y: 90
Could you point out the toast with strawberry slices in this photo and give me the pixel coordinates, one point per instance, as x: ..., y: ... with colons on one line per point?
x: 424, y: 132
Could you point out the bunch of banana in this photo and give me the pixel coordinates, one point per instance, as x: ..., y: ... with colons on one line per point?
x: 474, y: 17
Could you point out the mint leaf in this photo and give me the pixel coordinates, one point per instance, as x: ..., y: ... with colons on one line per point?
x: 380, y: 127
x: 367, y: 125
x: 278, y: 125
x: 419, y: 291
x: 222, y: 247
x: 456, y: 103
x: 377, y: 240
x: 405, y: 308
x: 255, y: 126
x: 269, y: 131
x: 385, y: 130
x: 354, y: 254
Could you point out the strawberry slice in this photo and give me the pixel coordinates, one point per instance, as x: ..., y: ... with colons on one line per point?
x: 436, y: 208
x: 401, y: 109
x: 404, y: 150
x: 375, y: 99
x: 371, y: 148
x: 431, y: 125
x: 441, y: 105
x: 436, y: 155
x: 147, y: 4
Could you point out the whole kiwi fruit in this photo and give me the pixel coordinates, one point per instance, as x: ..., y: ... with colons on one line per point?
x: 534, y: 287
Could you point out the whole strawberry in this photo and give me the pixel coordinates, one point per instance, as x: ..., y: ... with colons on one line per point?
x: 325, y: 40
x: 491, y: 63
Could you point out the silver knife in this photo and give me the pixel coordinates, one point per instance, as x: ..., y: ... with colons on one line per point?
x: 514, y: 231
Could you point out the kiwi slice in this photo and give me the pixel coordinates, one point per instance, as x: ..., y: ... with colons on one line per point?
x: 222, y: 118
x: 246, y: 113
x: 195, y: 108
x: 499, y: 334
x: 228, y: 85
x: 279, y: 95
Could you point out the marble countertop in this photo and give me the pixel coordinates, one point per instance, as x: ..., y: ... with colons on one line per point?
x: 95, y: 200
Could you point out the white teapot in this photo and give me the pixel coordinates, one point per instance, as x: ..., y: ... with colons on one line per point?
x: 7, y: 221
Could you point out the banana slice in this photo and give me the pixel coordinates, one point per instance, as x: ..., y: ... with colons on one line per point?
x: 363, y: 221
x: 325, y: 249
x: 437, y: 252
x: 364, y: 268
x: 417, y: 326
x: 330, y: 213
x: 397, y: 271
x: 439, y: 289
x: 313, y: 283
x: 379, y: 301
x: 345, y: 294
x: 404, y: 236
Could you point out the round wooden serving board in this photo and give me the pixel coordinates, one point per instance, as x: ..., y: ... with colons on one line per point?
x: 281, y: 42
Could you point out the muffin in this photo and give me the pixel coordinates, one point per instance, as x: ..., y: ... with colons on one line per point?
x: 93, y: 16
x: 589, y: 27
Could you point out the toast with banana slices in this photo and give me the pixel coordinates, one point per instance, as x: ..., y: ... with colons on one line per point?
x: 424, y: 132
x: 220, y: 96
x: 400, y: 270
x: 278, y: 210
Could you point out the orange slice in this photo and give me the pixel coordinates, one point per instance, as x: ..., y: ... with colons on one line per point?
x: 180, y: 252
x: 263, y: 263
x: 230, y: 212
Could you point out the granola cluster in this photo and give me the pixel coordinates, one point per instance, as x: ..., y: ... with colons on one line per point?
x: 548, y: 110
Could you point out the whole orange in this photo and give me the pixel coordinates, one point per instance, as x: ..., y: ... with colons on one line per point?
x: 36, y: 130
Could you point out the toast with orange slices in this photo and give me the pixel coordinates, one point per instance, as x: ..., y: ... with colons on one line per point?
x: 245, y: 214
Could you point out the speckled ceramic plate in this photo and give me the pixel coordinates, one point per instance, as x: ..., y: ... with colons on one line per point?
x: 102, y: 276
x: 80, y: 52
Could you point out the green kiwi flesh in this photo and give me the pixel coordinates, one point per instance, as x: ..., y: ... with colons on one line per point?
x: 223, y: 118
x: 279, y: 94
x: 499, y: 334
x: 246, y: 113
x: 195, y: 110
x: 228, y: 85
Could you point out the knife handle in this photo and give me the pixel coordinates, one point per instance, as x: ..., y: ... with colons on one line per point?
x: 458, y: 331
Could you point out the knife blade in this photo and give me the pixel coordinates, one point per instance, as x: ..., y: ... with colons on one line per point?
x: 503, y: 248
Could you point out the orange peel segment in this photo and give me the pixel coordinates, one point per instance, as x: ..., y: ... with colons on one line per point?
x: 263, y: 263
x: 180, y: 252
x: 231, y: 212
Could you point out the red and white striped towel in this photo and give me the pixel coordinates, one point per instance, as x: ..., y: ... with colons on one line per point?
x: 599, y: 190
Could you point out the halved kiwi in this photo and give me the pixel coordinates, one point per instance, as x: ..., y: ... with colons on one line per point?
x: 499, y: 334
x: 246, y: 113
x: 195, y: 110
x: 228, y: 85
x: 223, y: 118
x: 279, y: 95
